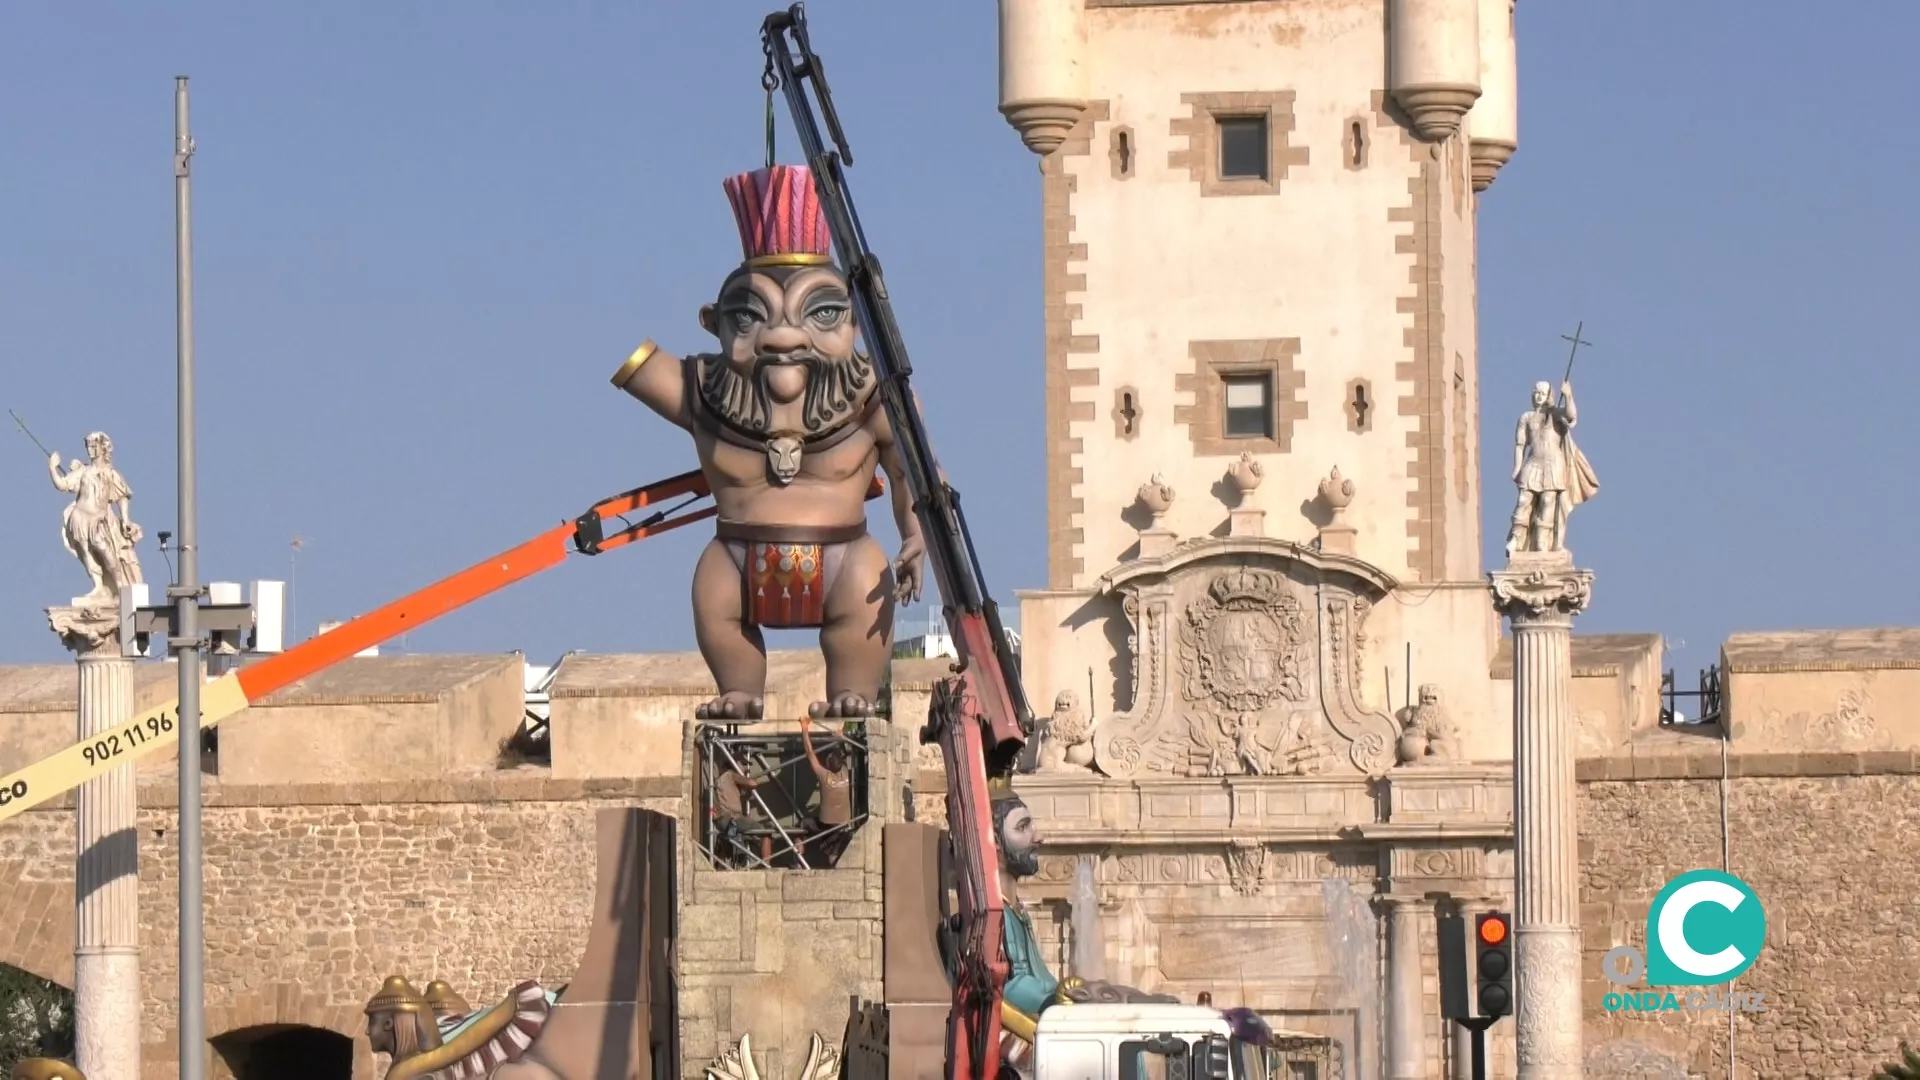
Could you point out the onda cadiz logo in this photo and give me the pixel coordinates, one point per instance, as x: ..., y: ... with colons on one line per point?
x: 1704, y: 928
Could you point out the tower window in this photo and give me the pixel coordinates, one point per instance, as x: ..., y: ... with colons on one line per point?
x: 1126, y: 412
x: 1360, y: 405
x: 1249, y: 406
x: 1355, y: 143
x: 1122, y: 153
x: 1243, y: 147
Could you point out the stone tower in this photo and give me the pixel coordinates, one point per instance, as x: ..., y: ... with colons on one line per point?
x: 1258, y: 233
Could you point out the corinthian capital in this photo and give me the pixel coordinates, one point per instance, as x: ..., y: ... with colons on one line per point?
x: 1541, y: 585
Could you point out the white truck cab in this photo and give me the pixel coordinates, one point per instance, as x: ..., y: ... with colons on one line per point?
x: 1149, y: 1042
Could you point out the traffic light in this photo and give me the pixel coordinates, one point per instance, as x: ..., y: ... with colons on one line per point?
x: 1493, y: 966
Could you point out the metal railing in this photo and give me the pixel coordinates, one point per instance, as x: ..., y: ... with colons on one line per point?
x: 1707, y: 700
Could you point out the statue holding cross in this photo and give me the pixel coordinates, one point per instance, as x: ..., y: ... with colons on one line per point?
x: 1552, y: 475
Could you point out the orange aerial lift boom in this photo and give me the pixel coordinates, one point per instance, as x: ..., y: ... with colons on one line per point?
x: 154, y: 729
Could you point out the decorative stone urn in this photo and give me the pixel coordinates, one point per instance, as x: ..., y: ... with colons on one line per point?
x: 1157, y: 496
x: 1337, y: 492
x: 1244, y: 475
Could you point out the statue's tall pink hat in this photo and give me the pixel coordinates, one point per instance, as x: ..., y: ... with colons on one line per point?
x: 780, y: 218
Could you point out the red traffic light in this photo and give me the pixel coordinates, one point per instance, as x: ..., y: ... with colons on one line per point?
x: 1493, y: 930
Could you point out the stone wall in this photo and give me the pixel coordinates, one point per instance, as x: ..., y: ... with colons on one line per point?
x: 1826, y: 841
x: 776, y: 954
x: 314, y: 894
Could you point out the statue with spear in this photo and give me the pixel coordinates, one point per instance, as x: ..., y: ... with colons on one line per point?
x: 1552, y: 475
x: 97, y: 527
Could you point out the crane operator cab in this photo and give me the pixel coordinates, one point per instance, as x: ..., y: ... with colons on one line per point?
x: 1152, y: 1042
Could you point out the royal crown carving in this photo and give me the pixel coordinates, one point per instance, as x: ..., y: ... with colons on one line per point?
x: 1243, y: 660
x: 1246, y: 643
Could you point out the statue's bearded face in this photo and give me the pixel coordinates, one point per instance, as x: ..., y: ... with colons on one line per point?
x: 1019, y: 838
x: 786, y: 333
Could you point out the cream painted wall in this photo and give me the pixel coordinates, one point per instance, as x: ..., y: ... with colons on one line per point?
x: 1324, y: 260
x: 1319, y: 261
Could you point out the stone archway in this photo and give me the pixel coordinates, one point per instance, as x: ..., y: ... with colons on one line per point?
x: 285, y: 1052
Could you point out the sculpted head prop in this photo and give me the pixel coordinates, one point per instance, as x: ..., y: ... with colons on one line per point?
x: 787, y: 370
x: 46, y: 1069
x: 444, y: 1000
x: 399, y: 1021
x: 1014, y: 832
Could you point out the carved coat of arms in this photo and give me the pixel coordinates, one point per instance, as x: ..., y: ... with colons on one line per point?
x: 1247, y: 642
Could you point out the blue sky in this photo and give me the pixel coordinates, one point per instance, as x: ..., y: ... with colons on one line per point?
x: 425, y: 233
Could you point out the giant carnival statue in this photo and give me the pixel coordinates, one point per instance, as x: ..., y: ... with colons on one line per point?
x: 789, y: 429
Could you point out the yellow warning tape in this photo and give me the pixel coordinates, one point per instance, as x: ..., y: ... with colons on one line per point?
x: 92, y: 758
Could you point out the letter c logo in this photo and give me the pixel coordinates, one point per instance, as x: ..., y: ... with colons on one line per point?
x: 1673, y: 928
x: 1705, y: 927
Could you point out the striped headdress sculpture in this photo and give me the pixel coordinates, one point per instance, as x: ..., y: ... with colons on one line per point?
x: 779, y: 215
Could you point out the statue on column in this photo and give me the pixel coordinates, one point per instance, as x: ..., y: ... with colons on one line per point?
x: 98, y: 527
x: 789, y: 428
x: 1552, y: 475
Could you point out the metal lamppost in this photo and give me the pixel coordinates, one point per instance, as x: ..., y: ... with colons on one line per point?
x: 184, y: 639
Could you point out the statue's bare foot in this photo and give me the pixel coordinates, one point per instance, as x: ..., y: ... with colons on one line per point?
x: 732, y: 705
x: 845, y: 706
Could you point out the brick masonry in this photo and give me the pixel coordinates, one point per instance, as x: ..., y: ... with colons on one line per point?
x: 1061, y: 276
x: 1422, y: 374
x: 1200, y: 153
x: 314, y: 896
x: 1216, y: 361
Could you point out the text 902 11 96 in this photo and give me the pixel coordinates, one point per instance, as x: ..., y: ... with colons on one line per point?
x: 138, y: 734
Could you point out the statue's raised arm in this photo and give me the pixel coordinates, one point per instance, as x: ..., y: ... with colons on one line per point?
x: 1569, y: 416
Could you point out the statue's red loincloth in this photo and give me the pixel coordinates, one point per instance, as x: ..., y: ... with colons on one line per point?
x: 787, y: 569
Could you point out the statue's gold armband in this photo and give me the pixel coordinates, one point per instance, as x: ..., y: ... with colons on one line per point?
x: 633, y: 363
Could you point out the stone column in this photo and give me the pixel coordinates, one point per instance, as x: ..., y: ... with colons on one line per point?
x: 1406, y: 996
x: 1540, y: 593
x: 106, y: 927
